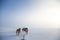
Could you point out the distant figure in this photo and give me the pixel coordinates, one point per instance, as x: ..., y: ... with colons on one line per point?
x: 18, y: 31
x: 25, y: 29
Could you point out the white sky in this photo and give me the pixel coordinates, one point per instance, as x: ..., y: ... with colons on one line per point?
x: 39, y: 14
x: 45, y: 13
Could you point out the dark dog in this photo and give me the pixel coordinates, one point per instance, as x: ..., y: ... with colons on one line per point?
x: 25, y: 29
x: 18, y: 31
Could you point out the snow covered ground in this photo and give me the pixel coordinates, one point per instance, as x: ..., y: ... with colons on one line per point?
x: 34, y: 34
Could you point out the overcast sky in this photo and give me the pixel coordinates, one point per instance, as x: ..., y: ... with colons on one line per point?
x: 41, y: 13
